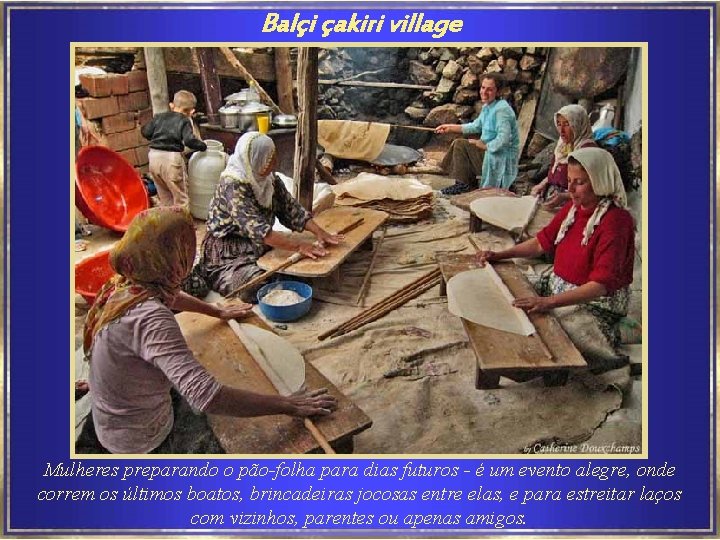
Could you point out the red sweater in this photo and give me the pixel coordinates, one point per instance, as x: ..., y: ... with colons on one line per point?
x: 608, y: 256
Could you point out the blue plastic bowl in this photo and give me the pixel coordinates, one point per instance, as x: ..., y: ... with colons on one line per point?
x: 286, y: 313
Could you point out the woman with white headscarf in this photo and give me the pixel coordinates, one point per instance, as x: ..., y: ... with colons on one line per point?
x: 239, y: 226
x: 592, y: 239
x: 574, y: 131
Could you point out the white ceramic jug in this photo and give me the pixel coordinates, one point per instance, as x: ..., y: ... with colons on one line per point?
x: 204, y: 171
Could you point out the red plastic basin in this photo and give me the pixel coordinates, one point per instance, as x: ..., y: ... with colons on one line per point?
x: 108, y: 191
x: 91, y: 274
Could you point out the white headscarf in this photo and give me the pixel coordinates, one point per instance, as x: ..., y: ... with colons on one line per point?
x: 580, y: 123
x: 607, y: 184
x: 253, y: 153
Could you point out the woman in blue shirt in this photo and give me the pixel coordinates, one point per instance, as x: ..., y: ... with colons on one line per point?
x: 493, y: 156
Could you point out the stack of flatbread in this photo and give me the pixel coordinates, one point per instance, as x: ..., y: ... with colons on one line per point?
x: 406, y: 200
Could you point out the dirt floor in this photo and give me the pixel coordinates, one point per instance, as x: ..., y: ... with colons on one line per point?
x: 413, y: 372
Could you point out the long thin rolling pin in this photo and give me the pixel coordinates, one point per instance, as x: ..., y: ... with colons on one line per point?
x: 366, y: 279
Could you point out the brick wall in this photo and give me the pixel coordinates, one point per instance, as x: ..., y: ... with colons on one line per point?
x: 119, y: 104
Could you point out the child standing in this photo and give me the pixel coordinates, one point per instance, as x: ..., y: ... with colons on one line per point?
x: 168, y: 133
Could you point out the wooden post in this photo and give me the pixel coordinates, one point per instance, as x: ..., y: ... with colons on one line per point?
x: 157, y: 79
x: 306, y: 135
x: 210, y: 83
x: 283, y: 76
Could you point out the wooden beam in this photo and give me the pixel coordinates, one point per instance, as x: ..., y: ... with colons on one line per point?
x: 373, y: 84
x: 306, y: 135
x: 210, y: 83
x: 284, y: 77
x: 264, y: 97
x: 157, y: 79
x: 257, y: 62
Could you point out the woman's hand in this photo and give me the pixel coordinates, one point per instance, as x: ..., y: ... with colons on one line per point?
x: 311, y: 251
x: 324, y: 238
x: 556, y: 200
x: 446, y: 128
x: 538, y: 189
x: 534, y: 304
x: 312, y: 403
x: 479, y: 143
x: 236, y: 310
x: 482, y: 257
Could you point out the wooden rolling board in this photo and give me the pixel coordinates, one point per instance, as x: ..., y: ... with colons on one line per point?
x: 216, y: 346
x: 331, y: 220
x: 499, y: 350
x: 464, y: 200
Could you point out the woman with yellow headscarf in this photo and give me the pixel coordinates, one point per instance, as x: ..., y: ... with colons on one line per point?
x: 242, y: 212
x: 137, y: 352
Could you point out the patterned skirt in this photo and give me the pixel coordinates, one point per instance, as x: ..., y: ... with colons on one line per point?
x: 607, y: 310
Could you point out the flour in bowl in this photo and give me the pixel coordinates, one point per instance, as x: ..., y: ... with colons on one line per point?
x: 282, y: 297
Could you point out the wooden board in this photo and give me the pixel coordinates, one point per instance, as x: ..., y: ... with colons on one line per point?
x: 258, y: 63
x: 499, y: 350
x: 526, y: 117
x: 331, y: 220
x: 216, y: 346
x: 464, y: 200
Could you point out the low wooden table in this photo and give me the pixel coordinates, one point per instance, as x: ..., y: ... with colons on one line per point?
x: 548, y: 353
x: 216, y: 346
x: 331, y: 220
x: 464, y: 200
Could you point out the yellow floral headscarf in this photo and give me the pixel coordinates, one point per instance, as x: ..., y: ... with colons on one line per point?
x: 152, y: 259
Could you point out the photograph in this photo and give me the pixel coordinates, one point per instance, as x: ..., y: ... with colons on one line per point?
x: 358, y: 250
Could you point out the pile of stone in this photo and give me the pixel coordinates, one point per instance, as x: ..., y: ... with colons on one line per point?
x: 456, y: 72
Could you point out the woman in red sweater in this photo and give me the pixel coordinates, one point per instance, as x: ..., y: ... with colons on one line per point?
x: 592, y: 241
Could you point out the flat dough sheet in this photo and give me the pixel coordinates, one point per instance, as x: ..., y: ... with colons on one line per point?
x: 351, y: 139
x: 374, y: 187
x: 278, y: 358
x: 509, y: 213
x: 480, y: 296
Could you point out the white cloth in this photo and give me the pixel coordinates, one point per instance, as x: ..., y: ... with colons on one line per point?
x: 580, y: 123
x: 253, y: 153
x: 606, y: 183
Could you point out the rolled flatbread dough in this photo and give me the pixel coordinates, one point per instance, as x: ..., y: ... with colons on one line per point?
x: 373, y: 187
x: 282, y: 363
x: 509, y: 213
x: 480, y: 296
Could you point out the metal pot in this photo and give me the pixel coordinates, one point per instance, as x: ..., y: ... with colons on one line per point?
x: 229, y: 116
x: 243, y: 97
x: 285, y: 120
x: 247, y: 119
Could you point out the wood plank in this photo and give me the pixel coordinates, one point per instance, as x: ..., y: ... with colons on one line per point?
x: 464, y: 200
x: 252, y: 82
x: 210, y: 83
x: 306, y: 136
x: 526, y: 118
x: 216, y: 346
x: 284, y: 77
x: 375, y: 84
x: 331, y: 220
x: 260, y: 64
x: 499, y: 350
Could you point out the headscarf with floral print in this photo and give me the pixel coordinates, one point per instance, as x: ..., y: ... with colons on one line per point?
x: 151, y: 260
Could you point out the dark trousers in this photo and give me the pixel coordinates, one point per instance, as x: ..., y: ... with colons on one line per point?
x: 463, y: 162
